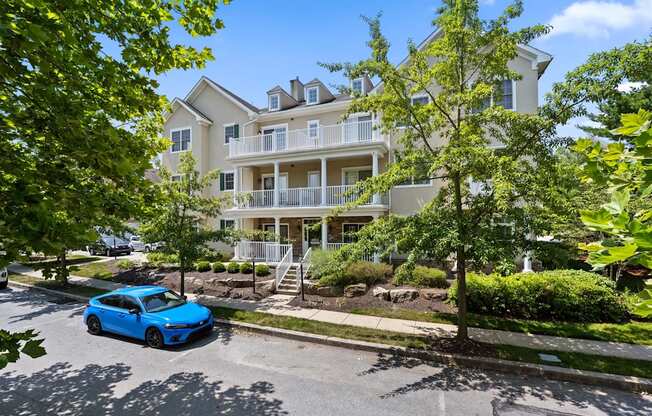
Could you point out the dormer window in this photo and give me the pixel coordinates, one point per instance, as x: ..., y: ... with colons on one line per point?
x: 274, y: 102
x: 356, y: 86
x: 312, y: 95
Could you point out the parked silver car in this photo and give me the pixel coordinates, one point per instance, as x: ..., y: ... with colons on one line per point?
x: 136, y: 243
x: 4, y: 277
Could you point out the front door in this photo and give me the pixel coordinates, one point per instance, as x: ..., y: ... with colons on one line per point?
x: 311, y: 234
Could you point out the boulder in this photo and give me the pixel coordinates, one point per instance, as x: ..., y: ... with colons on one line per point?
x: 311, y: 287
x: 403, y: 295
x: 380, y: 292
x: 266, y: 285
x: 236, y: 295
x: 433, y: 294
x: 252, y: 296
x: 353, y: 291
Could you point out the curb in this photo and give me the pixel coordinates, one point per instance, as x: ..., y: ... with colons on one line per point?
x: 627, y: 383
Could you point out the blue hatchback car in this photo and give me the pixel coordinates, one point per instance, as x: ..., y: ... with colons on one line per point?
x: 151, y: 313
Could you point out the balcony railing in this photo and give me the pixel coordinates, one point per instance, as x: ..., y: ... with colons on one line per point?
x: 305, y: 139
x: 302, y: 197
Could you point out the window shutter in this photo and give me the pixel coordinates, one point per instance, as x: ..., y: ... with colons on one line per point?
x: 221, y: 181
x: 236, y: 131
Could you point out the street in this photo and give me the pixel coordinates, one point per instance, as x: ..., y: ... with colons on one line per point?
x: 235, y: 373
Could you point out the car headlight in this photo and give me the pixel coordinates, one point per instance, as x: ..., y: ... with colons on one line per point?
x: 176, y: 326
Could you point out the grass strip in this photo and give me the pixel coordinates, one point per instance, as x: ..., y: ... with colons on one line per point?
x: 94, y: 270
x: 634, y: 332
x: 53, y: 262
x: 70, y: 288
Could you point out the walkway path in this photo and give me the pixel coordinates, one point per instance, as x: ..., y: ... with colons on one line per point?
x: 279, y: 305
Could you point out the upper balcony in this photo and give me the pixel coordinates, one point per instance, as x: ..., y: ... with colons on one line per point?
x: 280, y: 140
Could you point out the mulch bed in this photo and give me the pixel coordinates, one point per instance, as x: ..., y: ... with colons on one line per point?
x: 344, y: 304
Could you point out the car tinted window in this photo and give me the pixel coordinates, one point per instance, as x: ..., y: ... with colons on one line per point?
x: 113, y: 300
x: 113, y: 241
x: 162, y: 301
x: 130, y: 303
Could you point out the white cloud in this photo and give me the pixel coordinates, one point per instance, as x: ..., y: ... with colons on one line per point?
x: 628, y: 86
x: 596, y: 19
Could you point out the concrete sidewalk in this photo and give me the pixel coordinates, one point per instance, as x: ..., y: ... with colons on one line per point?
x: 279, y: 305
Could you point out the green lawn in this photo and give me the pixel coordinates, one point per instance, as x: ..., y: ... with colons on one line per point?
x: 72, y: 260
x: 55, y: 285
x: 634, y: 332
x: 94, y: 270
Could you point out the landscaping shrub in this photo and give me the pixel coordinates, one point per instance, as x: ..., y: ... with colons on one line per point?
x: 218, y: 267
x: 559, y: 295
x: 203, y: 266
x: 158, y: 258
x: 125, y: 264
x: 420, y: 276
x: 211, y: 256
x: 262, y: 270
x: 233, y: 267
x: 356, y: 272
x: 323, y: 264
x: 246, y: 268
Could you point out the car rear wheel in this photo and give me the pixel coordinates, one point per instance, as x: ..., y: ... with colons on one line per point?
x: 94, y: 325
x: 3, y: 285
x: 154, y: 338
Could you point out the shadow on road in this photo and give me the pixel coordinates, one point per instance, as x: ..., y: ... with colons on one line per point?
x: 39, y: 304
x: 61, y: 389
x: 511, y: 387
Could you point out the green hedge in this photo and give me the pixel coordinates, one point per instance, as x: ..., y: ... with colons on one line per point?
x: 359, y: 272
x: 246, y: 268
x: 420, y: 276
x: 233, y: 267
x: 218, y: 267
x: 157, y: 258
x: 262, y: 270
x: 202, y: 266
x: 559, y: 295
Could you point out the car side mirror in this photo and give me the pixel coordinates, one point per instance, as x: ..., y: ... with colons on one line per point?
x: 134, y: 311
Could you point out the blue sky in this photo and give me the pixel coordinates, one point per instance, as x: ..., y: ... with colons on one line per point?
x: 269, y: 42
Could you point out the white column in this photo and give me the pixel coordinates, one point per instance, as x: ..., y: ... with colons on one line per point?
x: 374, y: 172
x: 277, y: 174
x: 277, y: 228
x: 236, y: 250
x: 376, y: 255
x: 324, y: 233
x: 324, y: 180
x: 236, y: 185
x: 527, y: 262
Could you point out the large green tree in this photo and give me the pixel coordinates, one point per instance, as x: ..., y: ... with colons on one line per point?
x: 448, y: 140
x: 181, y: 214
x: 79, y: 112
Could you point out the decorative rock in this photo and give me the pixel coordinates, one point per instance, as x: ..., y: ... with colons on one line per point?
x: 433, y: 294
x: 403, y: 295
x: 236, y: 295
x: 352, y: 291
x: 252, y: 296
x: 313, y: 288
x: 380, y: 292
x: 266, y: 285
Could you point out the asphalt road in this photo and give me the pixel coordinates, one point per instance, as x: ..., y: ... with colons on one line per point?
x: 234, y: 373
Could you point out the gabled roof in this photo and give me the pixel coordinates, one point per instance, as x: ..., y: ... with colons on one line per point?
x: 199, y: 116
x: 239, y: 101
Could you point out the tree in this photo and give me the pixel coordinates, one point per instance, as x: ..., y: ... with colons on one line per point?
x: 180, y: 216
x: 80, y: 115
x: 448, y: 139
x: 13, y: 344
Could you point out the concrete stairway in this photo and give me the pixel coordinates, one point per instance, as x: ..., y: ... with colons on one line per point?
x: 290, y: 283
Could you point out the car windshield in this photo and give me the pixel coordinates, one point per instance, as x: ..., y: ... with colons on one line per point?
x: 113, y: 241
x: 135, y: 238
x: 162, y: 301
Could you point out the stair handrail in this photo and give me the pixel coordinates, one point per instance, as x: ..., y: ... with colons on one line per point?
x: 283, y: 266
x: 305, y: 261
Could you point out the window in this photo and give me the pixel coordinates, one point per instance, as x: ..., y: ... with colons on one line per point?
x: 356, y: 86
x: 227, y: 224
x: 274, y: 102
x: 503, y: 95
x: 162, y: 301
x: 226, y: 181
x: 504, y: 228
x: 350, y: 176
x: 312, y: 95
x: 349, y: 231
x: 420, y: 100
x: 231, y: 131
x: 130, y: 303
x: 313, y: 129
x: 113, y: 301
x: 180, y: 140
x: 175, y: 178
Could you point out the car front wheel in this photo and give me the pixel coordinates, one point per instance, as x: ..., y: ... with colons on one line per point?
x: 94, y: 325
x: 154, y: 338
x: 3, y: 285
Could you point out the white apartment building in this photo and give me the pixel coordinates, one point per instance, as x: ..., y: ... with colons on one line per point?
x: 287, y: 165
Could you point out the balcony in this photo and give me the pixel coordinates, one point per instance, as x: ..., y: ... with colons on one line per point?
x: 323, y: 137
x: 303, y: 198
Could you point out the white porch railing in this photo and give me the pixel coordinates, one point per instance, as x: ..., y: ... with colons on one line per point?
x: 302, y: 197
x: 306, y: 260
x: 284, y: 265
x: 262, y: 251
x: 337, y: 246
x: 324, y: 136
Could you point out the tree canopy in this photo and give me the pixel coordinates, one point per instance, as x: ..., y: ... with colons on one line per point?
x: 80, y: 117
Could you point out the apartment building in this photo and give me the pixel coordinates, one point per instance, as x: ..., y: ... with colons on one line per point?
x: 287, y: 165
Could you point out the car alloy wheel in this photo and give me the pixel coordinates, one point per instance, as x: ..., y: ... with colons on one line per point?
x: 154, y: 338
x: 94, y: 325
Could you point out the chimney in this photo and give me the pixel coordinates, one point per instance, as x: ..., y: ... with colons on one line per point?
x: 296, y: 89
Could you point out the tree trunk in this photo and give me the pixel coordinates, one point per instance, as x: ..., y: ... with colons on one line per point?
x: 462, y: 330
x: 182, y: 285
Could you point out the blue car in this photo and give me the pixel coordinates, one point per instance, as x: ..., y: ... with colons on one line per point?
x: 151, y: 313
